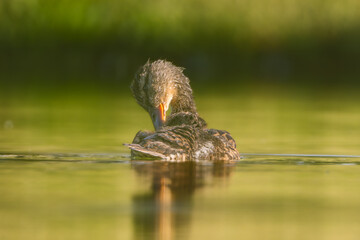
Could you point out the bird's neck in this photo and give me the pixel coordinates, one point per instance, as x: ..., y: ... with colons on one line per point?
x: 183, y: 103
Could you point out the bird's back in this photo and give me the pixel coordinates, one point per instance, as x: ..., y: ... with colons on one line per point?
x: 176, y: 143
x: 190, y: 140
x: 224, y: 146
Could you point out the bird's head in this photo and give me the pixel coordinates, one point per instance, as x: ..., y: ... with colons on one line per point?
x: 159, y: 85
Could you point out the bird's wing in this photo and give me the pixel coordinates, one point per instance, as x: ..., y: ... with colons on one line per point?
x: 143, y: 153
x: 229, y: 148
x: 224, y: 136
x: 176, y: 143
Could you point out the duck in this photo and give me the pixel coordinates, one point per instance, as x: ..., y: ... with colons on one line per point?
x: 182, y: 135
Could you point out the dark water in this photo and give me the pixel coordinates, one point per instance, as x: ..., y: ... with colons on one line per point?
x: 65, y: 175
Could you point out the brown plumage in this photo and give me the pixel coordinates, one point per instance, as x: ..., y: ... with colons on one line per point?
x: 184, y: 134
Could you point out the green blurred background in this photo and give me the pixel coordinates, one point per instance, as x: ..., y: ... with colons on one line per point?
x: 104, y: 42
x: 280, y: 75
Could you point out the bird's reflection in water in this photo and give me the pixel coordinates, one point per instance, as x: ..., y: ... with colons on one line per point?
x: 165, y: 212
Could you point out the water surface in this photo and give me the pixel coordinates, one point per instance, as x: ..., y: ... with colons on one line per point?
x: 66, y: 175
x: 99, y: 196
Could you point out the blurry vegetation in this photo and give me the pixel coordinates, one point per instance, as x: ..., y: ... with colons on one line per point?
x: 65, y: 68
x: 281, y: 40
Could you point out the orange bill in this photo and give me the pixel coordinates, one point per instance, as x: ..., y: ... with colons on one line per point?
x: 158, y: 116
x: 162, y: 112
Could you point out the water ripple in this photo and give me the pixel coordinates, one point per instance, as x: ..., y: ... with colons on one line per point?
x: 247, y: 158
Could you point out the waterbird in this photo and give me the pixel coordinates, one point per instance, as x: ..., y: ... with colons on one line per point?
x: 183, y: 135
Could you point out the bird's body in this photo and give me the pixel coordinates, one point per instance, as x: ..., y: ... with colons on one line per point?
x: 189, y: 140
x: 184, y: 135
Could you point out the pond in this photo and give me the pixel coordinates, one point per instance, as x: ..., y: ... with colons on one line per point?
x: 66, y: 175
